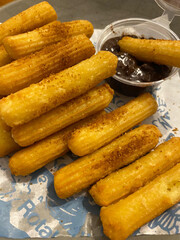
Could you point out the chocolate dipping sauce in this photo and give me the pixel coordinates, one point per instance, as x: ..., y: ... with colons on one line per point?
x: 132, y: 69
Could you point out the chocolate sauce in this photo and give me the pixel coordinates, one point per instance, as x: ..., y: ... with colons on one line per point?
x: 132, y: 69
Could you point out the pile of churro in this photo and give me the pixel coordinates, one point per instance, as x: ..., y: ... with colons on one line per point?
x: 52, y: 102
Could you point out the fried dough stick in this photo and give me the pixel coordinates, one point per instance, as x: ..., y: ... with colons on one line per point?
x: 41, y: 153
x: 51, y: 59
x: 23, y: 44
x: 122, y: 218
x: 33, y: 17
x: 58, y: 118
x: 88, y: 139
x: 4, y: 56
x: 129, y: 179
x: 153, y: 50
x: 87, y: 170
x: 33, y: 101
x: 7, y: 144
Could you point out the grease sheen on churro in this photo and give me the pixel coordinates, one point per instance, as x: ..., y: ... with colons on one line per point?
x: 34, y: 157
x: 51, y: 59
x: 88, y: 139
x: 31, y: 18
x: 87, y: 170
x: 129, y: 179
x: 68, y: 113
x: 160, y: 51
x: 25, y: 43
x: 33, y: 101
x: 127, y: 215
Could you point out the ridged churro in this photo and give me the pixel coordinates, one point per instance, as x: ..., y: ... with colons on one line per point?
x: 124, y: 217
x: 33, y: 17
x: 87, y: 170
x: 33, y: 101
x: 68, y: 113
x: 160, y: 51
x: 129, y: 179
x: 41, y: 153
x: 88, y: 139
x: 51, y: 59
x: 23, y: 44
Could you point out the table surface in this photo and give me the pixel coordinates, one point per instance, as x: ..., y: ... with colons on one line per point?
x: 3, y: 2
x: 100, y: 13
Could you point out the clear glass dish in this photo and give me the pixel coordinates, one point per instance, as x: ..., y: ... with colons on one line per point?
x: 142, y: 28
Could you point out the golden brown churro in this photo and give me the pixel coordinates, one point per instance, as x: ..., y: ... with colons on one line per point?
x: 23, y: 44
x: 51, y: 59
x: 129, y: 179
x: 88, y: 139
x: 4, y: 56
x: 39, y: 154
x: 33, y: 101
x: 160, y: 51
x: 87, y: 170
x: 33, y: 17
x: 7, y: 144
x: 58, y: 118
x: 124, y: 217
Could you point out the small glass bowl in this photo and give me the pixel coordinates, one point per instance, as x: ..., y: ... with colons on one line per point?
x: 141, y: 28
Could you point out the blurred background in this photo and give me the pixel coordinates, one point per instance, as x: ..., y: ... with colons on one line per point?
x: 99, y: 12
